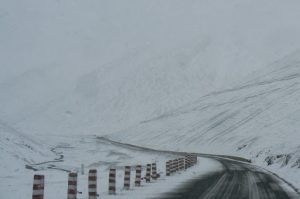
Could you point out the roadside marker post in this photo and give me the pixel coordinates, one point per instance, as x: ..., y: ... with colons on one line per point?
x: 138, y: 175
x: 72, y: 186
x: 171, y: 166
x: 178, y: 164
x: 38, y: 187
x: 127, y: 177
x: 181, y: 164
x: 173, y: 169
x: 175, y: 165
x: 148, y: 173
x: 92, y: 184
x: 190, y: 161
x: 168, y: 171
x: 193, y: 159
x: 187, y: 162
x: 154, y: 171
x: 112, y: 182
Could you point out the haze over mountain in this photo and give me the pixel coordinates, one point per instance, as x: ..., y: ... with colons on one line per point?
x: 99, y: 66
x: 206, y: 75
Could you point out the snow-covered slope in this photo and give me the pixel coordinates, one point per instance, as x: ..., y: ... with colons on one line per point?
x: 17, y: 150
x: 261, y: 113
x: 72, y: 67
x: 258, y: 119
x: 77, y: 67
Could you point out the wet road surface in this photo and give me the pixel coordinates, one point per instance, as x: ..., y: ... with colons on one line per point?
x: 237, y: 181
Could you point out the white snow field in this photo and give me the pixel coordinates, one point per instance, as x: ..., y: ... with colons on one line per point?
x: 18, y: 150
x: 197, y: 75
x: 257, y: 119
x: 75, y: 67
x: 94, y: 153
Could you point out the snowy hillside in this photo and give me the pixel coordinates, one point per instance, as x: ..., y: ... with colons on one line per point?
x: 74, y: 67
x: 193, y: 75
x: 17, y: 150
x: 258, y: 120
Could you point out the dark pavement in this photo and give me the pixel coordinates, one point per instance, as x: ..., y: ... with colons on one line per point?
x: 237, y: 181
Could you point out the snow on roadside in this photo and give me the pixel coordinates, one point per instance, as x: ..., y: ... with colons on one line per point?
x: 56, y: 182
x: 94, y: 153
x: 166, y: 184
x: 258, y: 119
x: 17, y: 149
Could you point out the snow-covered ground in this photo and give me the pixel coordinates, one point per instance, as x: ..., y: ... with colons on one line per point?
x: 75, y: 67
x: 257, y: 119
x: 94, y: 154
x: 196, y: 75
x: 18, y: 150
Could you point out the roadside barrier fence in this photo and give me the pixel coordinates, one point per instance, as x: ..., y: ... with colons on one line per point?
x: 172, y: 166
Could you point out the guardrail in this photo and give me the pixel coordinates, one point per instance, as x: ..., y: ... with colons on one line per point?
x: 172, y: 166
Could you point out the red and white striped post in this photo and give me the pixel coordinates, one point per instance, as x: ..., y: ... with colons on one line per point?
x: 127, y: 177
x: 148, y: 173
x: 191, y: 159
x: 138, y: 175
x: 175, y: 164
x: 154, y: 171
x: 187, y: 161
x: 38, y: 187
x: 172, y: 168
x: 181, y: 164
x: 112, y: 182
x: 93, y: 184
x: 72, y: 186
x: 168, y: 168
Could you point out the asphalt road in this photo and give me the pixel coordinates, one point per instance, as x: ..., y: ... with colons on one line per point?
x: 238, y: 180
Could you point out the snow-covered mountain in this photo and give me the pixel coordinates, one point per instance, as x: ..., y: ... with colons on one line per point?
x: 258, y: 119
x: 199, y: 75
x: 257, y: 114
x: 74, y: 67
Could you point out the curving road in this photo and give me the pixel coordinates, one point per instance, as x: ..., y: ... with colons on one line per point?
x: 238, y: 180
